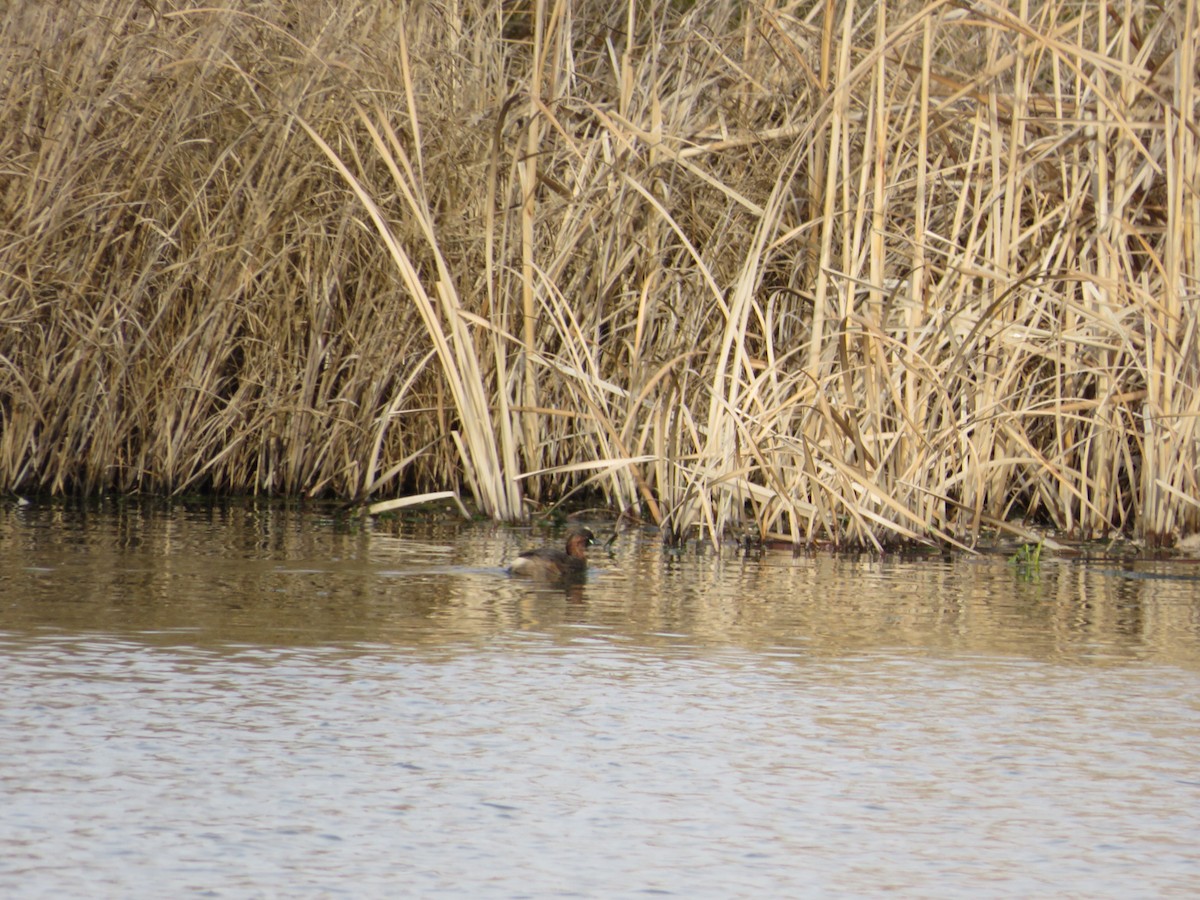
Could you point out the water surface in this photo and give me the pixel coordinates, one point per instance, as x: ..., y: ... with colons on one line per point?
x: 246, y: 701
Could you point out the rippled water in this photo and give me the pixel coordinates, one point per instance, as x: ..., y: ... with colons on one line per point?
x: 246, y: 702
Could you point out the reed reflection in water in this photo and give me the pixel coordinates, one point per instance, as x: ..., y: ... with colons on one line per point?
x: 246, y: 702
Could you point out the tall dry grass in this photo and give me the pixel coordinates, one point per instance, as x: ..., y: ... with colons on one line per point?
x: 850, y: 272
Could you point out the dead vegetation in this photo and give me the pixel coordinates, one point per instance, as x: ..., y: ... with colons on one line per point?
x: 848, y: 272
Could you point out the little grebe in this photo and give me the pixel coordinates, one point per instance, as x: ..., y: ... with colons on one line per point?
x: 552, y: 563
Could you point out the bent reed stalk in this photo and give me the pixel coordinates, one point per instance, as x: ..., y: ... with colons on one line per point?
x: 857, y: 273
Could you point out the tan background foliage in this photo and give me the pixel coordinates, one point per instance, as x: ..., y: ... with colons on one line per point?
x: 857, y: 272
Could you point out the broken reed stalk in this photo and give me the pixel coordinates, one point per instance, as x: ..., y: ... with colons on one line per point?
x: 860, y: 274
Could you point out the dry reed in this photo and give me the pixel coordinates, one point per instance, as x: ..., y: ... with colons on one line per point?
x: 861, y: 273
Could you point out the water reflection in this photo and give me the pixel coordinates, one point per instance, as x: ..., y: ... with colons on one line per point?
x: 275, y: 576
x: 241, y: 700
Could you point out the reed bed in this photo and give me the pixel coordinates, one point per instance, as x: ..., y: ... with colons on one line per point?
x: 857, y: 273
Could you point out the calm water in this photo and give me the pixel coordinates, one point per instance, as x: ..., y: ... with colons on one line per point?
x: 254, y: 702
